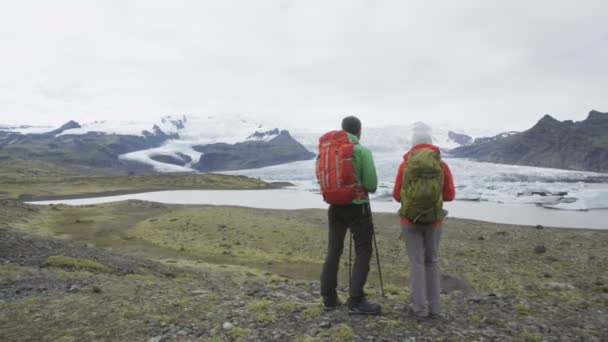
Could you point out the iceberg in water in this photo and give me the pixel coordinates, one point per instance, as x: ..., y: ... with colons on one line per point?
x: 586, y: 200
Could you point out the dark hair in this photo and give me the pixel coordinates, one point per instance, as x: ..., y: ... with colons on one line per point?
x: 352, y: 125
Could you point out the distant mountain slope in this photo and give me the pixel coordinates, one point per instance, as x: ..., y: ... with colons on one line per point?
x: 176, y: 143
x: 550, y: 143
x: 251, y: 154
x: 93, y: 149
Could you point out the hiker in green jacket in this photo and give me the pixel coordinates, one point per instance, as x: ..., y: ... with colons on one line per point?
x: 357, y: 217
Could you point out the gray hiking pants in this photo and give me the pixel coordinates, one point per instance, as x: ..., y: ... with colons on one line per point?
x: 422, y: 243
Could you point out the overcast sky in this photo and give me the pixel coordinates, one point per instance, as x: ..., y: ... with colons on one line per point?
x: 467, y: 63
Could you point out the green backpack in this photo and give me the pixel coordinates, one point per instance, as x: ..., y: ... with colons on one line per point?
x: 422, y: 187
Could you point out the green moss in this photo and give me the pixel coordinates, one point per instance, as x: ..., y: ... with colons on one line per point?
x: 371, y: 293
x: 526, y: 336
x: 343, y: 333
x: 522, y: 309
x: 258, y: 305
x: 237, y: 332
x: 165, y: 319
x: 288, y: 306
x: 68, y: 262
x: 266, y: 318
x: 312, y: 312
x: 473, y: 318
x: 391, y: 324
x: 393, y: 290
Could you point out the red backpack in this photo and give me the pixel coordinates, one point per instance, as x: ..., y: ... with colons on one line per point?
x: 335, y: 171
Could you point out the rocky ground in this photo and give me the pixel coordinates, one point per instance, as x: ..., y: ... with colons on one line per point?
x: 120, y: 284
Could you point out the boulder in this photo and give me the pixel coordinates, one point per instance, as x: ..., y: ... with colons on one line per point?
x: 451, y: 282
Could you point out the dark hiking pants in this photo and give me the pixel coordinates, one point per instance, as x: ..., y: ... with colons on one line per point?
x: 358, y: 218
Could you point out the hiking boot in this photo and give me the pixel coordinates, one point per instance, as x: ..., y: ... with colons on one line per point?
x: 363, y: 307
x: 418, y: 317
x: 435, y: 316
x: 331, y: 303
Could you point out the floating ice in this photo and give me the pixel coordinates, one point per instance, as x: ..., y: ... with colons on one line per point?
x: 476, y: 182
x: 586, y: 200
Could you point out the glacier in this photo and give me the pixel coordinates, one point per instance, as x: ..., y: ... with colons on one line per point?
x: 474, y: 181
x: 191, y: 130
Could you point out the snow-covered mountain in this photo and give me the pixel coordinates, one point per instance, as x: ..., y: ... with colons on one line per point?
x: 176, y: 143
x: 395, y: 138
x: 201, y: 130
x: 195, y: 131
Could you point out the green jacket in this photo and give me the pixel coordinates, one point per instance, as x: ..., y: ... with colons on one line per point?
x: 365, y: 170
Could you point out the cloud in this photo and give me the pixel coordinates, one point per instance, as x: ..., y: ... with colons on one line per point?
x: 466, y: 63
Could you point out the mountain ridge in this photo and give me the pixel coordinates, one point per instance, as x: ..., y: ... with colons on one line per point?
x: 167, y: 145
x: 569, y: 145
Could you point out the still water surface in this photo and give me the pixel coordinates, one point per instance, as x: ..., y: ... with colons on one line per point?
x: 523, y: 214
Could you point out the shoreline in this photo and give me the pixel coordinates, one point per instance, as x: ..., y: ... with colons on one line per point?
x: 293, y: 199
x: 85, y: 195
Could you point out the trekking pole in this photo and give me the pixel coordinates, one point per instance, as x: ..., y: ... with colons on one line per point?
x: 377, y: 253
x: 378, y: 260
x: 350, y: 257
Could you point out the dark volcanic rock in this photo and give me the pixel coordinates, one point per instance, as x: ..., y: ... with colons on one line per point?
x: 185, y: 157
x: 178, y: 123
x: 460, y: 139
x: 251, y: 154
x: 163, y: 158
x: 550, y: 143
x: 262, y: 135
x: 157, y: 137
x: 67, y: 126
x: 494, y: 138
